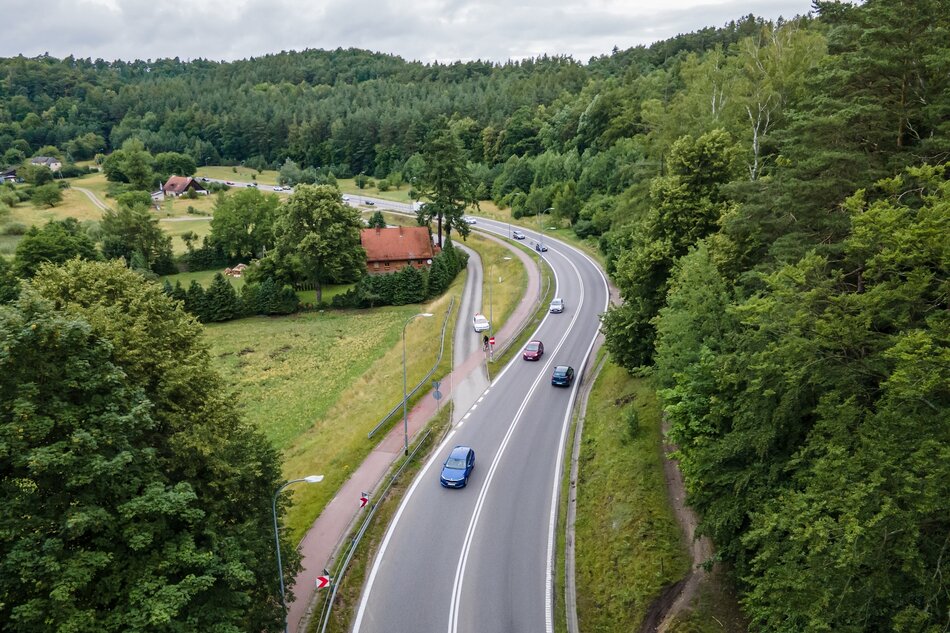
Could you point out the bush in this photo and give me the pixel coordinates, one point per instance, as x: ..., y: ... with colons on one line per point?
x: 383, y: 185
x: 632, y: 421
x: 15, y: 228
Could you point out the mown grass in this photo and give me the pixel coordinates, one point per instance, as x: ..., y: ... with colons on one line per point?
x: 504, y: 281
x: 237, y: 174
x: 628, y: 545
x: 177, y: 228
x: 348, y: 186
x: 316, y: 383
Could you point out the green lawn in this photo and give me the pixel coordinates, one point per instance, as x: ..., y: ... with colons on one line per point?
x: 628, y: 544
x: 317, y: 382
x: 237, y: 174
x: 348, y: 186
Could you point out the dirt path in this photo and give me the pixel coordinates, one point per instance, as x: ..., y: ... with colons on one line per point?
x: 680, y: 595
x: 96, y: 201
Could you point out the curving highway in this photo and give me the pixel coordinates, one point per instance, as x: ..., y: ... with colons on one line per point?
x: 481, y: 559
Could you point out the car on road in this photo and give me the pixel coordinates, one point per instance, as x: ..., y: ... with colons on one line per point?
x: 480, y: 323
x: 228, y: 182
x: 203, y: 179
x: 278, y: 188
x: 369, y: 203
x: 457, y: 467
x: 541, y: 248
x: 563, y: 376
x: 346, y: 198
x: 469, y: 220
x: 518, y: 235
x: 534, y: 350
x: 251, y: 184
x: 557, y: 305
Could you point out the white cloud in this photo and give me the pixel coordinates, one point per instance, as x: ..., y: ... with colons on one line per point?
x: 427, y: 30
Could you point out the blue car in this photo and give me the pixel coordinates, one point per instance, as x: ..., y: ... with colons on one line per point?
x: 563, y: 376
x: 457, y: 467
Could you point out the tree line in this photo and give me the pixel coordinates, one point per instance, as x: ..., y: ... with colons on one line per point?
x: 770, y: 199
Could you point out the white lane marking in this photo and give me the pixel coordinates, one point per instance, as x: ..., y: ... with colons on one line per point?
x: 392, y: 529
x: 474, y: 406
x: 466, y: 416
x: 455, y: 606
x: 480, y: 399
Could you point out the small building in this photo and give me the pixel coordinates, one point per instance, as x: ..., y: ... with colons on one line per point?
x: 392, y: 249
x: 54, y: 164
x: 8, y: 175
x: 177, y: 185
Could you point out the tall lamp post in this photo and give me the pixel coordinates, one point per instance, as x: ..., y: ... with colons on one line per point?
x: 405, y: 397
x: 491, y: 316
x: 310, y: 479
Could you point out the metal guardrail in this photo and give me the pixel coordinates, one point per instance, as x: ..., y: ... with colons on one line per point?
x: 337, y: 574
x: 386, y: 417
x: 517, y: 333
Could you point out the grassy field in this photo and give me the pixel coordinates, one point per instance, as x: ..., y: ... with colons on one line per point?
x: 176, y: 228
x: 316, y: 383
x: 504, y: 281
x: 628, y: 545
x: 348, y: 186
x: 237, y: 174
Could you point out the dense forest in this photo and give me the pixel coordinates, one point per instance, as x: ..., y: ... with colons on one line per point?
x: 772, y: 200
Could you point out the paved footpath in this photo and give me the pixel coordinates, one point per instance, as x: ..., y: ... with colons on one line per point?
x: 467, y: 376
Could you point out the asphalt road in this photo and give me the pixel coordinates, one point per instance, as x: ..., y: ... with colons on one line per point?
x: 481, y: 559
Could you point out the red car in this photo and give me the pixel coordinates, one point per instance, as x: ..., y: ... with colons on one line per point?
x: 533, y: 350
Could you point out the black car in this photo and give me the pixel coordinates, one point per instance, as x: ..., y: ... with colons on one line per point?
x: 563, y: 376
x: 541, y: 248
x: 369, y: 203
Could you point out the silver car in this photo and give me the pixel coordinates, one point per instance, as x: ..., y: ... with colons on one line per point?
x: 557, y: 306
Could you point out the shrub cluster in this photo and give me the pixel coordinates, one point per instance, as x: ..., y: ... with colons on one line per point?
x: 220, y: 302
x: 409, y: 285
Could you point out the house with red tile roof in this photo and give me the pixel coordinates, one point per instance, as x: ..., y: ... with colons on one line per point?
x: 178, y: 185
x: 392, y: 249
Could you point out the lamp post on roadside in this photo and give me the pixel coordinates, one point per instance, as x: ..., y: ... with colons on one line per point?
x: 491, y: 319
x: 405, y: 397
x: 310, y: 479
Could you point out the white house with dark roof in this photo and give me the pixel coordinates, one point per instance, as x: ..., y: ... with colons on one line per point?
x: 54, y: 164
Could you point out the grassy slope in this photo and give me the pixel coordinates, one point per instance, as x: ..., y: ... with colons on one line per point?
x: 628, y: 544
x: 316, y: 383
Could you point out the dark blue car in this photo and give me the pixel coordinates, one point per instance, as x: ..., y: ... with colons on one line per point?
x: 457, y: 467
x: 563, y: 376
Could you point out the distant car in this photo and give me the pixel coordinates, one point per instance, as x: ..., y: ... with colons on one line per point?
x: 346, y: 198
x: 370, y: 203
x: 541, y: 248
x: 203, y: 179
x: 469, y: 220
x: 228, y: 182
x: 278, y: 188
x: 557, y: 305
x: 563, y: 376
x: 533, y: 350
x: 518, y: 235
x: 480, y: 323
x: 251, y: 184
x: 457, y: 467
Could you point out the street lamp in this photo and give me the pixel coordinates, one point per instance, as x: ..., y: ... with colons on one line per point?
x: 310, y: 479
x: 491, y: 282
x: 405, y: 397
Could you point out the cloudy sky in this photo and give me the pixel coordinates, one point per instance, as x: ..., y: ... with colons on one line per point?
x: 425, y: 30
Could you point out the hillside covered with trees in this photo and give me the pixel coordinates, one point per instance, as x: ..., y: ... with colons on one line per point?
x: 771, y: 200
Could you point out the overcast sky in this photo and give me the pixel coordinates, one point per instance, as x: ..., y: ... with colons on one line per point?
x: 425, y: 30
